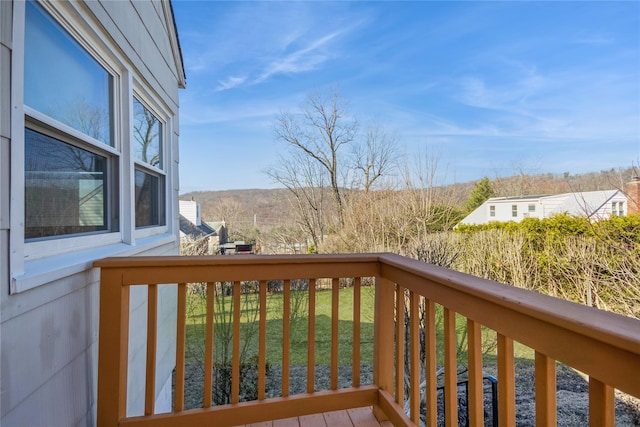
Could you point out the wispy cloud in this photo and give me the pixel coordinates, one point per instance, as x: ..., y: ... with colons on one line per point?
x: 595, y: 40
x: 305, y: 59
x: 230, y: 82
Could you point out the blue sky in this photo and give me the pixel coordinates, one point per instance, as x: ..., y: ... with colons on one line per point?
x: 489, y: 88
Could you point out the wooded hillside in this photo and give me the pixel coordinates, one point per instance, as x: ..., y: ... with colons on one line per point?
x: 268, y: 208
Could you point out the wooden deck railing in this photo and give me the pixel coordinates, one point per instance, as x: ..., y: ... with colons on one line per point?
x: 602, y: 345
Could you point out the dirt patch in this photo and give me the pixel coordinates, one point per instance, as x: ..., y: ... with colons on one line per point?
x: 572, y: 392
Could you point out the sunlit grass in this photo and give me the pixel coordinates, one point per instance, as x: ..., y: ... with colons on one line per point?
x: 299, y: 330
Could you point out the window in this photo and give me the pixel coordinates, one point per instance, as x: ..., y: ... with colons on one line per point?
x: 492, y: 210
x: 149, y: 199
x: 65, y: 188
x: 532, y: 208
x: 61, y: 79
x: 68, y: 105
x: 85, y: 180
x: 617, y: 208
x: 149, y: 180
x: 514, y: 211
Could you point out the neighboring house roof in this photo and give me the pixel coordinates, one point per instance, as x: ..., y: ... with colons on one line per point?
x: 193, y: 231
x: 592, y: 204
x: 215, y: 225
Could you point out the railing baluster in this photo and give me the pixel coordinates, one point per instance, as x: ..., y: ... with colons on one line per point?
x: 262, y: 342
x: 208, y: 347
x: 335, y: 292
x: 152, y: 338
x: 546, y: 402
x: 400, y: 345
x: 311, y: 341
x: 235, y: 363
x: 506, y: 382
x: 450, y: 369
x: 181, y: 332
x: 430, y: 363
x: 355, y: 364
x: 415, y: 358
x: 286, y: 336
x: 601, y: 404
x: 475, y: 394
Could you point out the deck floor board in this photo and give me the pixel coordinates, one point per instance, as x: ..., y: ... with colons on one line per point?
x: 357, y: 417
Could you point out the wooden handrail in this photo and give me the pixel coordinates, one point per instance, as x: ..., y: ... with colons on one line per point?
x: 602, y: 345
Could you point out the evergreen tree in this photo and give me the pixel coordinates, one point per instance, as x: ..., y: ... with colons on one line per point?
x: 482, y: 191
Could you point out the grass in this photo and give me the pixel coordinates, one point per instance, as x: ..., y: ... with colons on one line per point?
x: 274, y: 338
x: 299, y: 328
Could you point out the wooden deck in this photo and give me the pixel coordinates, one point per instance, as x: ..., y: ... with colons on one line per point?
x: 357, y: 417
x: 555, y: 329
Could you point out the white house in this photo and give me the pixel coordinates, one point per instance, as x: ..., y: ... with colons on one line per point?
x: 594, y: 205
x: 88, y: 169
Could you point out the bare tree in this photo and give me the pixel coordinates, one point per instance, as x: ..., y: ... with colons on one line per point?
x: 311, y: 200
x: 376, y: 157
x: 318, y: 136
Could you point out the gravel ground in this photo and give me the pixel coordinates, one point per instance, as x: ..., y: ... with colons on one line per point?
x: 572, y: 395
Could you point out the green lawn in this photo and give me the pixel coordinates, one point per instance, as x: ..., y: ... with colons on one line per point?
x: 299, y: 325
x: 299, y: 321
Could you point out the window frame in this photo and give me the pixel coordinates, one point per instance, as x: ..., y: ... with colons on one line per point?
x: 112, y: 170
x: 27, y: 117
x: 152, y: 104
x: 38, y: 262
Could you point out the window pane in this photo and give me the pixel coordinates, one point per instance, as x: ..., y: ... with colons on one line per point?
x: 149, y: 199
x: 62, y: 80
x: 147, y: 134
x: 65, y: 188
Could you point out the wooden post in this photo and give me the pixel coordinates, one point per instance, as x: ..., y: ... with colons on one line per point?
x: 506, y: 383
x: 546, y: 402
x: 601, y: 404
x: 113, y: 349
x: 430, y: 362
x: 355, y: 364
x: 382, y: 340
x: 152, y: 339
x: 475, y: 398
x: 450, y: 369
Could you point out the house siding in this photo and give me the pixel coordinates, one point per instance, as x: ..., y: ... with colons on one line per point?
x: 595, y: 204
x: 49, y: 334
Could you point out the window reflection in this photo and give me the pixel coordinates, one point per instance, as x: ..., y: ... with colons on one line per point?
x: 147, y: 135
x: 149, y: 199
x: 65, y: 188
x: 62, y: 80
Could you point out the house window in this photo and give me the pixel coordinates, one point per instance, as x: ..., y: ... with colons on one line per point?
x: 149, y: 178
x: 492, y: 210
x: 65, y: 188
x: 617, y: 209
x: 61, y: 79
x: 514, y: 211
x: 68, y: 107
x: 532, y: 208
x: 149, y: 199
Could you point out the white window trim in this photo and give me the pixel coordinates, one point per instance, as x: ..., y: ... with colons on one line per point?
x: 35, y: 263
x: 153, y: 104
